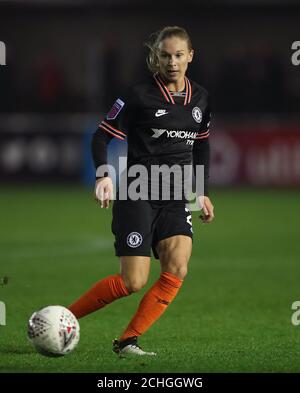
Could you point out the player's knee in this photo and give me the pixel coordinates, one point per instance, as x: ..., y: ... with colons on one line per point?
x: 180, y: 272
x: 178, y: 266
x: 134, y: 284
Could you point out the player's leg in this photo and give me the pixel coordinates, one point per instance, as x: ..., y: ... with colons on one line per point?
x: 135, y: 272
x: 99, y: 295
x: 131, y: 227
x: 173, y: 246
x: 133, y: 276
x: 174, y: 254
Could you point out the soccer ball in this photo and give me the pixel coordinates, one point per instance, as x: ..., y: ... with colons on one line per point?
x: 53, y: 331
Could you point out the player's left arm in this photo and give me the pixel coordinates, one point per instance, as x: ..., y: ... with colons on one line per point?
x: 201, y: 156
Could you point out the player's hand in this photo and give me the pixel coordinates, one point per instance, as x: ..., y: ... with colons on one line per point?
x: 104, y: 191
x: 207, y: 209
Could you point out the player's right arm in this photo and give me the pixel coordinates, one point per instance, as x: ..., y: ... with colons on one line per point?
x: 104, y: 191
x: 109, y: 128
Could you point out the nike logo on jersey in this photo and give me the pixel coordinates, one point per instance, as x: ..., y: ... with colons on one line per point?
x: 161, y: 112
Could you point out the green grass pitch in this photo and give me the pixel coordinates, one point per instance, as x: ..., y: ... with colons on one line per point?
x: 233, y: 313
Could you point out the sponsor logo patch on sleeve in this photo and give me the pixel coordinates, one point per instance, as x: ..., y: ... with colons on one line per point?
x: 115, y: 110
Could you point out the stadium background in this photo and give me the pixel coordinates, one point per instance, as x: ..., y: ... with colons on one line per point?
x: 66, y: 63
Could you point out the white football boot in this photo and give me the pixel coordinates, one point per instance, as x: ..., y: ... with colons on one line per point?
x: 129, y: 347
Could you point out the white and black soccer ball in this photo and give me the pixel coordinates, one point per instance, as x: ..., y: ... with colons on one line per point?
x: 53, y: 331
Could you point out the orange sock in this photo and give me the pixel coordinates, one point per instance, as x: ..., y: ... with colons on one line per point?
x: 153, y: 304
x: 101, y: 294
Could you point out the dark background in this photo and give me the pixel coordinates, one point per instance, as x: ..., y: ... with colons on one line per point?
x: 67, y: 61
x: 69, y: 56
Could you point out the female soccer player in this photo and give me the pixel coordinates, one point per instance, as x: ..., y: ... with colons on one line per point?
x: 165, y: 120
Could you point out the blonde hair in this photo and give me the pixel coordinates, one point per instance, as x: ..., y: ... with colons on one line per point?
x: 156, y: 38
